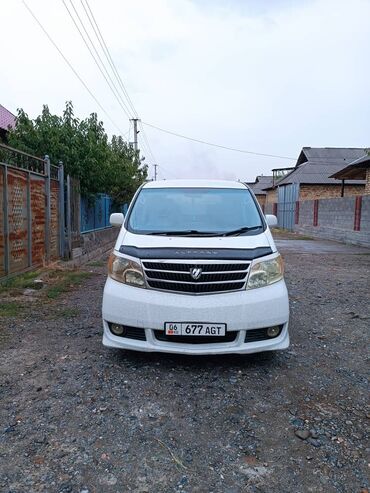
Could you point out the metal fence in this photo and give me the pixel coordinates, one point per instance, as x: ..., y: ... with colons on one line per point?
x: 30, y: 204
x: 95, y: 212
x: 42, y: 215
x: 287, y: 198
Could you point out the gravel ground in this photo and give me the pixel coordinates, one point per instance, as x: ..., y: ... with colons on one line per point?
x: 77, y: 417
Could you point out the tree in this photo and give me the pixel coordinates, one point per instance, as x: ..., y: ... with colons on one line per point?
x: 101, y: 165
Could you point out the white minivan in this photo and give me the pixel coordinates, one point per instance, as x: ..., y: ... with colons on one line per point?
x: 195, y: 270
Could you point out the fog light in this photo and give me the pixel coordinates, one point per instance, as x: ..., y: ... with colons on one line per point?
x: 117, y: 329
x: 273, y: 331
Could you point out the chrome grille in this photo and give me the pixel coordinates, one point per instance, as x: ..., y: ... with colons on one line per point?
x: 216, y: 276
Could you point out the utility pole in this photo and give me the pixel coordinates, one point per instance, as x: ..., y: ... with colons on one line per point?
x: 136, y: 132
x: 155, y: 171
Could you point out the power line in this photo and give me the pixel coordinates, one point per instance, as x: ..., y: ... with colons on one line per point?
x: 111, y: 83
x: 216, y: 145
x: 106, y: 52
x: 107, y: 72
x: 129, y: 131
x: 105, y: 49
x: 71, y: 67
x: 116, y: 74
x: 145, y: 138
x: 167, y: 171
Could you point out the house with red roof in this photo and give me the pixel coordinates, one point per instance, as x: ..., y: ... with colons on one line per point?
x: 7, y: 120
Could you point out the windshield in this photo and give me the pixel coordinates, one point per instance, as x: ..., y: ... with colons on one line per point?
x: 194, y: 211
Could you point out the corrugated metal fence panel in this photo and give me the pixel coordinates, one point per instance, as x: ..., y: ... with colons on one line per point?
x: 18, y: 220
x: 107, y: 209
x: 75, y: 211
x: 100, y: 212
x: 87, y: 215
x: 287, y: 197
x: 95, y: 212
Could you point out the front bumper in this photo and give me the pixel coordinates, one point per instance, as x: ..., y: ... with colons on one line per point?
x: 241, y: 311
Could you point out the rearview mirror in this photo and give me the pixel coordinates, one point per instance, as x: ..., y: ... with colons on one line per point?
x: 271, y: 220
x: 116, y: 219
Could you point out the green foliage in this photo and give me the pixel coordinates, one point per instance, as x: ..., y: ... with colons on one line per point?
x: 19, y: 282
x: 102, y: 165
x: 67, y: 313
x: 10, y: 309
x: 65, y: 281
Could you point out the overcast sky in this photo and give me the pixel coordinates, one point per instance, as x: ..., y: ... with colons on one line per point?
x: 270, y: 76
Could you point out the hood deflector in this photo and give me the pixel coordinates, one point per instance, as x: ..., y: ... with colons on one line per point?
x: 196, y: 253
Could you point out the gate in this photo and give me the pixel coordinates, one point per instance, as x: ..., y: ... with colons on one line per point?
x: 287, y: 198
x: 31, y: 231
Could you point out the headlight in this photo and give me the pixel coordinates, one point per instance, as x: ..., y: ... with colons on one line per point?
x: 125, y: 270
x: 265, y: 272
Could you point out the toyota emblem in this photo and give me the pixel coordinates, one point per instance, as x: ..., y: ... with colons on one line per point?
x: 195, y: 273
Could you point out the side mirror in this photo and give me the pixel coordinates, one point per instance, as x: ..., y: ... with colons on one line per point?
x: 116, y: 219
x: 271, y: 220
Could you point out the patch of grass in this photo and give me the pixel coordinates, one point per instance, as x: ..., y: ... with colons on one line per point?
x: 55, y: 291
x: 9, y: 309
x: 96, y: 263
x: 20, y: 282
x: 68, y: 313
x: 285, y: 234
x: 65, y: 281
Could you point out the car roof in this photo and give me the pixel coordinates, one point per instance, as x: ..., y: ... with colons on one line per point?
x: 195, y: 184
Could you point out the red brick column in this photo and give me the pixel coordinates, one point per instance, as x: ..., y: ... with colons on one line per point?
x: 315, y: 212
x: 296, y: 213
x: 357, y: 221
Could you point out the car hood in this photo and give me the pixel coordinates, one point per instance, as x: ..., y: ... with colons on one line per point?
x: 147, y: 246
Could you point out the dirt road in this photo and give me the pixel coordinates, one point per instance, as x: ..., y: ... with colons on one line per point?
x: 77, y: 417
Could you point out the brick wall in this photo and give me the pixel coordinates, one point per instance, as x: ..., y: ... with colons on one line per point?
x: 270, y: 203
x: 271, y: 196
x: 311, y: 192
x: 261, y: 200
x: 367, y: 186
x: 345, y: 219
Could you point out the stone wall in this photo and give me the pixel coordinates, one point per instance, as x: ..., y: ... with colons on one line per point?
x: 261, y: 200
x: 271, y: 196
x: 311, y: 192
x: 345, y: 219
x: 271, y: 202
x: 94, y: 244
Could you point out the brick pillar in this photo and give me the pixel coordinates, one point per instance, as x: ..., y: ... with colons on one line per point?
x: 367, y: 184
x: 296, y: 214
x: 274, y: 209
x: 315, y: 212
x: 357, y: 221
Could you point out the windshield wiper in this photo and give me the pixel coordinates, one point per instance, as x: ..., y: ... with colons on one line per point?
x: 242, y: 230
x: 195, y: 232
x: 186, y: 232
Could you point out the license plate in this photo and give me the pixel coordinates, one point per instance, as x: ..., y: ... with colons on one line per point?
x: 194, y: 329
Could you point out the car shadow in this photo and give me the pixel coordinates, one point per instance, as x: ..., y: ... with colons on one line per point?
x: 199, y: 362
